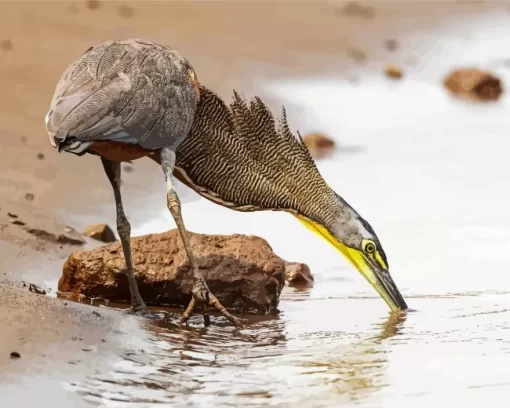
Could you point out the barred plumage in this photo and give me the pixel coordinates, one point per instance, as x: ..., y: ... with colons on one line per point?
x: 240, y: 157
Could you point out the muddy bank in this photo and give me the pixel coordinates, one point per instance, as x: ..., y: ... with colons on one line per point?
x: 73, y: 340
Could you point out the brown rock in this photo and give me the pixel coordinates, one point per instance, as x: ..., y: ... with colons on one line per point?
x: 242, y: 271
x: 473, y: 83
x: 393, y: 71
x: 100, y: 232
x: 319, y: 144
x: 298, y: 274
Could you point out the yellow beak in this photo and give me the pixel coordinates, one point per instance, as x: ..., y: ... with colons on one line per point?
x: 375, y: 274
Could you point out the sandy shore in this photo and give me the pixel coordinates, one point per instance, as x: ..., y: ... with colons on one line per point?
x: 231, y: 45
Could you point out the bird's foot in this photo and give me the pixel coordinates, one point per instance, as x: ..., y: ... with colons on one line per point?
x: 140, y: 312
x: 139, y: 308
x: 202, y: 295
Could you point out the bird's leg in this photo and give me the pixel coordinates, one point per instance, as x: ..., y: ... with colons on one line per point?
x: 112, y: 170
x: 200, y: 292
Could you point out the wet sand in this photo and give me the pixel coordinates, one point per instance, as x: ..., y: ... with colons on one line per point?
x: 241, y: 45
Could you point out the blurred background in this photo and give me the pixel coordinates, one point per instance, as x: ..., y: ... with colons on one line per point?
x: 411, y: 97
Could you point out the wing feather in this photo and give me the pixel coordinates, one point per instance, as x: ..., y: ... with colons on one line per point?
x: 130, y: 91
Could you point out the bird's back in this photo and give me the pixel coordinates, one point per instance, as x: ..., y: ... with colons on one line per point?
x: 130, y: 91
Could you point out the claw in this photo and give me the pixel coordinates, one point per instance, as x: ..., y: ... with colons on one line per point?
x: 208, y: 299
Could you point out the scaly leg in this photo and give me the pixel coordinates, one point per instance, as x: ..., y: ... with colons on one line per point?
x: 200, y: 292
x: 112, y: 170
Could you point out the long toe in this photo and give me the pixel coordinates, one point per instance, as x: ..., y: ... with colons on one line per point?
x: 214, y: 302
x: 207, y: 300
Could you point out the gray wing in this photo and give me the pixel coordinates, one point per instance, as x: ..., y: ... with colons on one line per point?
x: 130, y: 91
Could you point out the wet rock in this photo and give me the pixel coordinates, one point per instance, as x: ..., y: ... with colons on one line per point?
x: 391, y: 45
x: 298, y: 274
x: 393, y: 71
x: 242, y: 271
x: 319, y: 144
x: 6, y: 44
x: 356, y: 9
x: 100, y: 232
x: 126, y: 11
x: 36, y: 289
x: 15, y: 354
x: 473, y: 83
x: 69, y: 238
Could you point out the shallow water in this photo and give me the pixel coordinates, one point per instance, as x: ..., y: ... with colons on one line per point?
x: 433, y: 181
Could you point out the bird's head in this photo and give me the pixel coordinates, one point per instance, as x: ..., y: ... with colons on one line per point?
x: 353, y: 236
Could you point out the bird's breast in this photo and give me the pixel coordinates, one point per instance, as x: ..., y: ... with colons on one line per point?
x: 119, y: 151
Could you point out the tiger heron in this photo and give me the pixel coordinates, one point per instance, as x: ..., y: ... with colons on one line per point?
x: 124, y: 100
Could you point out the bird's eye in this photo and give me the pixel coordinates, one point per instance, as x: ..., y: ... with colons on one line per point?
x: 370, y: 248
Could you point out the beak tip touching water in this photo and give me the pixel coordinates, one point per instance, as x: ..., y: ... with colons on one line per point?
x: 391, y: 294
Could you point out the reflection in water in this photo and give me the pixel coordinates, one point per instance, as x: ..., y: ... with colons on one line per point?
x: 261, y: 364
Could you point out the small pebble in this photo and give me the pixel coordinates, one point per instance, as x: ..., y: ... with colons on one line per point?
x: 12, y: 215
x: 40, y: 156
x: 18, y: 222
x: 6, y: 45
x: 128, y: 168
x: 393, y: 71
x: 29, y: 197
x: 36, y: 289
x: 126, y: 11
x: 15, y: 354
x: 93, y: 4
x: 357, y: 55
x: 391, y: 45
